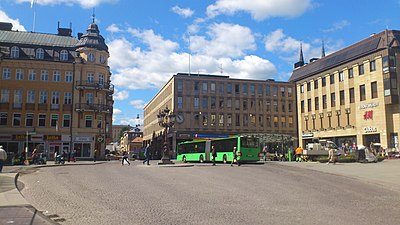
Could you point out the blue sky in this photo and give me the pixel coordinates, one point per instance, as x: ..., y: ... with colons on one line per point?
x: 252, y: 39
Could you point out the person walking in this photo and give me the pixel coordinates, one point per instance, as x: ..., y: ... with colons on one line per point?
x: 147, y: 154
x: 95, y: 155
x: 235, y: 157
x: 332, y: 156
x: 265, y: 149
x: 3, y: 157
x: 299, y: 150
x: 214, y: 154
x: 125, y: 158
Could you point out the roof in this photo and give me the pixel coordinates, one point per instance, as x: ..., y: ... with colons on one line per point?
x: 32, y: 38
x: 376, y: 42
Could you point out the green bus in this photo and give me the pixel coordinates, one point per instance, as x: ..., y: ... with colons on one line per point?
x: 200, y: 150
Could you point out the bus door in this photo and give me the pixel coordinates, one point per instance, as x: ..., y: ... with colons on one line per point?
x: 207, y: 152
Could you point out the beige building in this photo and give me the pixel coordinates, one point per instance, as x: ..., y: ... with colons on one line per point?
x: 55, y: 91
x: 351, y: 95
x: 211, y: 106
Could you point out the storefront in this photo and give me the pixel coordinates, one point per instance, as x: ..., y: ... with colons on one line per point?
x: 83, y: 146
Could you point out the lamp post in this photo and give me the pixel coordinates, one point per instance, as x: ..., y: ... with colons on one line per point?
x: 166, y: 119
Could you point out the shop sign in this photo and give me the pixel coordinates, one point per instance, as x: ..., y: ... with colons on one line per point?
x: 369, y: 105
x: 100, y: 138
x: 308, y: 135
x: 52, y: 137
x: 368, y: 115
x: 18, y: 137
x: 83, y: 139
x: 5, y: 137
x: 370, y: 129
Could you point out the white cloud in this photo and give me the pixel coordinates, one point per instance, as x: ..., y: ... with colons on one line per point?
x: 137, y: 104
x: 83, y: 3
x: 184, y: 12
x: 15, y: 22
x: 121, y: 95
x: 113, y: 28
x: 338, y: 26
x: 278, y: 41
x: 116, y: 111
x: 260, y: 9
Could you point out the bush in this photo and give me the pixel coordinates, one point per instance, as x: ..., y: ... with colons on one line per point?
x: 346, y: 159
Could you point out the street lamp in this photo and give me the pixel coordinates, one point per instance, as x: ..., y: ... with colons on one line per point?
x: 166, y: 119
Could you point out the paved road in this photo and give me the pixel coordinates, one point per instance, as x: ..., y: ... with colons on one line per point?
x: 272, y: 193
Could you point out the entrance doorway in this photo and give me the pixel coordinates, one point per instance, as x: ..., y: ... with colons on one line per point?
x: 368, y: 138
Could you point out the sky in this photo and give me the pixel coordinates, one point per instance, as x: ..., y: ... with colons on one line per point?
x: 151, y: 40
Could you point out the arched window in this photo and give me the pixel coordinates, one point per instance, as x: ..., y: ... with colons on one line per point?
x: 40, y: 53
x: 14, y: 52
x: 64, y: 55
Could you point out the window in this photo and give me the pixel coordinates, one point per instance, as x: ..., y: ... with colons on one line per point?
x: 244, y: 104
x: 283, y: 104
x: 44, y: 75
x: 252, y: 119
x: 237, y: 89
x: 268, y: 105
x: 64, y: 55
x: 332, y: 79
x: 3, y: 119
x: 55, y: 98
x: 372, y: 66
x: 290, y: 121
x: 19, y: 74
x: 315, y: 84
x: 229, y: 103
x: 204, y: 102
x: 267, y: 90
x: 88, y: 121
x: 91, y: 57
x: 221, y: 88
x: 16, y: 119
x: 260, y: 90
x: 341, y: 76
x: 196, y: 102
x: 275, y: 91
x: 18, y: 98
x: 252, y: 89
x: 90, y: 78
x: 245, y: 120
x: 43, y: 97
x: 31, y: 75
x: 212, y: 87
x: 351, y: 94
x: 179, y: 85
x: 196, y: 86
x: 56, y: 76
x: 309, y: 105
x: 283, y: 91
x: 229, y: 120
x: 245, y: 91
x: 289, y: 91
x: 323, y: 81
x: 333, y: 100
x: 213, y: 102
x: 237, y: 104
x: 180, y: 102
x: 101, y: 80
x: 68, y: 77
x: 302, y: 88
x: 351, y: 73
x: 290, y: 108
x: 276, y: 121
x: 6, y: 73
x: 5, y: 96
x: 221, y: 120
x: 374, y: 90
x: 29, y: 120
x: 276, y: 106
x: 316, y: 103
x: 283, y: 121
x: 302, y: 106
x: 14, y: 52
x: 361, y: 69
x: 309, y: 86
x: 341, y: 93
x: 268, y: 119
x: 89, y: 98
x: 30, y: 98
x: 362, y: 92
x: 54, y: 121
x: 205, y: 119
x: 212, y: 122
x: 66, y: 120
x: 221, y: 102
x: 229, y: 88
x: 324, y: 102
x: 237, y: 122
x: 67, y: 98
x: 42, y: 120
x: 204, y: 87
x: 261, y: 120
x: 39, y: 53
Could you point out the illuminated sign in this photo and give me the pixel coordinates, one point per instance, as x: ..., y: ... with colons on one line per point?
x: 52, y: 137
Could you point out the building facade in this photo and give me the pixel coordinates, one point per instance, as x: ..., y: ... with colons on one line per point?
x: 351, y: 95
x: 211, y: 106
x: 55, y: 91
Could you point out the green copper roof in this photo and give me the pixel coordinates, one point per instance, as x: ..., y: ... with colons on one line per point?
x: 30, y: 38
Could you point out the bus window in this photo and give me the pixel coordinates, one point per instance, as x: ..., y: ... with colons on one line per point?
x: 249, y: 142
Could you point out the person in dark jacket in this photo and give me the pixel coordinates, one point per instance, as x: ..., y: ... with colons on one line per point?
x: 147, y: 154
x: 213, y: 154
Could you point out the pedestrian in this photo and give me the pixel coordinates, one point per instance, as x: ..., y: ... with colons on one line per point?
x: 35, y: 157
x: 213, y: 154
x: 265, y: 149
x: 3, y: 157
x: 147, y: 154
x: 95, y: 155
x: 234, y: 158
x: 125, y: 158
x: 299, y: 150
x: 332, y: 156
x: 55, y: 156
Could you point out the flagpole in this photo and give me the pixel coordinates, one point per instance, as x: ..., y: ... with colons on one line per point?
x: 34, y: 14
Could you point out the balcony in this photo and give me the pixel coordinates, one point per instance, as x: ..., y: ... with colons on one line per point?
x: 94, y: 85
x: 87, y: 107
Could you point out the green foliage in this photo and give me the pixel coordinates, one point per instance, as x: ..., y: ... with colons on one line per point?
x: 380, y: 158
x: 121, y: 133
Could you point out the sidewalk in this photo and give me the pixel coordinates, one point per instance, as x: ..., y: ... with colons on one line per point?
x: 14, y: 209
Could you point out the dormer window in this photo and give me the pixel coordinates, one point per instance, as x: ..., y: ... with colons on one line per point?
x: 39, y: 53
x: 64, y: 55
x: 91, y: 57
x: 14, y: 52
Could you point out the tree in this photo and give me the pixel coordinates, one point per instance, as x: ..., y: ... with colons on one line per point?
x: 121, y: 133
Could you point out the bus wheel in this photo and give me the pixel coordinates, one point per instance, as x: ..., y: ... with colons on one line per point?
x: 201, y: 159
x: 184, y: 159
x: 225, y: 160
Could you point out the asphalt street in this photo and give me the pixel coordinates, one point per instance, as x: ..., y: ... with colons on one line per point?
x: 270, y: 193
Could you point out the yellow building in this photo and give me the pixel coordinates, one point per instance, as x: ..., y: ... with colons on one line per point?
x: 55, y: 91
x: 351, y: 95
x: 212, y: 106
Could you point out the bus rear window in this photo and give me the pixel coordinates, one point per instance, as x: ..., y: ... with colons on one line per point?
x: 249, y: 142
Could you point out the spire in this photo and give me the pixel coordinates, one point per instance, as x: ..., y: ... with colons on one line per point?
x: 93, y: 16
x: 301, y: 53
x: 323, y: 50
